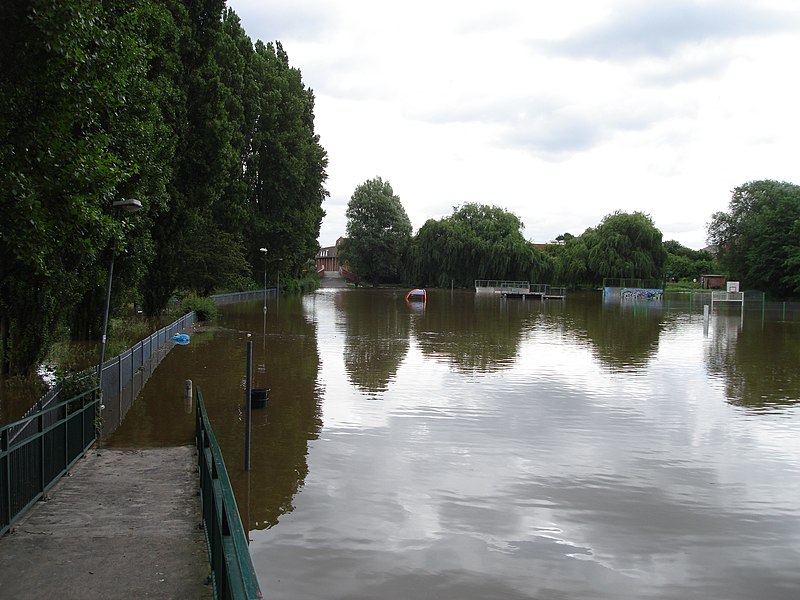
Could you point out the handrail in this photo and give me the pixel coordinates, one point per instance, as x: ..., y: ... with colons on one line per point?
x: 38, y: 449
x: 232, y: 569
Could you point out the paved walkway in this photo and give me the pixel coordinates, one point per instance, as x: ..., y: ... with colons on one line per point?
x: 123, y: 525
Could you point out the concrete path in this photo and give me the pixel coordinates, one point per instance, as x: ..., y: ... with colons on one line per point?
x: 123, y: 525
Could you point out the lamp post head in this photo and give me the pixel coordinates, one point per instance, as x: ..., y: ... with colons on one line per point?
x: 127, y: 204
x: 264, y: 250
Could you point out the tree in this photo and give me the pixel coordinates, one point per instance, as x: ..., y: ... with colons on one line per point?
x: 199, y: 122
x: 166, y: 101
x: 685, y: 263
x: 286, y: 164
x: 477, y: 241
x: 571, y: 259
x: 757, y: 238
x: 378, y: 232
x: 625, y: 245
x: 74, y: 136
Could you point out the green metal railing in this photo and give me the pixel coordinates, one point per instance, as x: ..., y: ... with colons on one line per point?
x: 232, y: 569
x: 38, y: 449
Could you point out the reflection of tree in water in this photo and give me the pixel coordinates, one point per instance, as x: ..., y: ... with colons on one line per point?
x: 472, y: 332
x: 376, y: 336
x: 285, y: 360
x: 759, y: 366
x: 624, y: 337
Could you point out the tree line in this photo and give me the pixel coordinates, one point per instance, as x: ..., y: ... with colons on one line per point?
x: 165, y: 101
x: 757, y: 243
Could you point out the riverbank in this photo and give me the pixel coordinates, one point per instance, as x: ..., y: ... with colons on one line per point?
x: 123, y: 524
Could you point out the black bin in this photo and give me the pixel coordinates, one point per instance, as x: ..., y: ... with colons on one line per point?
x: 259, y: 397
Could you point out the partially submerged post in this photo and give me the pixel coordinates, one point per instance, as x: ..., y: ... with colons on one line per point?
x: 187, y: 396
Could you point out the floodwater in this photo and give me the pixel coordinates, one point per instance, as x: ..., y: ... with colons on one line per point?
x: 482, y: 448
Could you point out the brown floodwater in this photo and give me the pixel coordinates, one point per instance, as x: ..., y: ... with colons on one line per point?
x: 488, y: 448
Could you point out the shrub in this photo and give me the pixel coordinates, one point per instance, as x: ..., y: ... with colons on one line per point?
x: 204, y: 308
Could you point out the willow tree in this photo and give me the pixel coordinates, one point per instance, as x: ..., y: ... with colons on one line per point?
x: 625, y: 245
x: 477, y: 241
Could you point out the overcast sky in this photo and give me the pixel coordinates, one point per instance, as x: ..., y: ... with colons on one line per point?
x: 560, y: 112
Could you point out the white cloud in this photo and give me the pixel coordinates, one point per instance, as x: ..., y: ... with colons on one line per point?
x: 560, y: 113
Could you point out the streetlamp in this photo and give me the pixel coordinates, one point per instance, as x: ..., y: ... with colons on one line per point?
x: 264, y: 250
x: 129, y: 205
x: 280, y: 260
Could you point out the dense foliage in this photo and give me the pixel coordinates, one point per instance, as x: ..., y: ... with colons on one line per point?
x: 477, y: 241
x: 166, y: 101
x: 623, y: 245
x: 378, y: 232
x: 686, y: 264
x: 758, y: 238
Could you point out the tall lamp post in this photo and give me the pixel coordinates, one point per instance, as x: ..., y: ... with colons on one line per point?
x: 129, y: 205
x: 264, y: 250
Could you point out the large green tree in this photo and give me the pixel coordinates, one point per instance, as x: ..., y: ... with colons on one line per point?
x: 285, y: 166
x: 378, y: 232
x: 202, y: 132
x: 75, y: 130
x: 625, y: 245
x: 477, y: 241
x: 166, y: 101
x: 757, y: 238
x: 571, y: 259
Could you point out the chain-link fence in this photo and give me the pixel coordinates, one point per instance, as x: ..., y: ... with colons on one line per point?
x: 124, y: 376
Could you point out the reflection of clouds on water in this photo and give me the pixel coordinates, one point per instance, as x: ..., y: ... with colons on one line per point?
x: 556, y: 476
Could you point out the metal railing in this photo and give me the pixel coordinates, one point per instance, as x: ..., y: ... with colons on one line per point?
x: 232, y: 569
x: 499, y: 285
x: 39, y: 448
x: 632, y: 282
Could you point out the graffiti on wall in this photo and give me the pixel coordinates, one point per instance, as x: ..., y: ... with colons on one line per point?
x: 644, y: 294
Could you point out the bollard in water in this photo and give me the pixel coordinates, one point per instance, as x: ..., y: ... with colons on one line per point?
x: 187, y: 396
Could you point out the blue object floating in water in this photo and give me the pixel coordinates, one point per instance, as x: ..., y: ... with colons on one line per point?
x: 182, y: 339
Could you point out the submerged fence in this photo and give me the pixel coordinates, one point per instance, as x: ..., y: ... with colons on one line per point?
x: 234, y: 297
x: 753, y: 303
x: 38, y: 449
x: 124, y: 376
x: 232, y: 569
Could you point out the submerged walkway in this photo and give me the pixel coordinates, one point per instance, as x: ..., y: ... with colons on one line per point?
x: 332, y: 279
x: 123, y: 525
